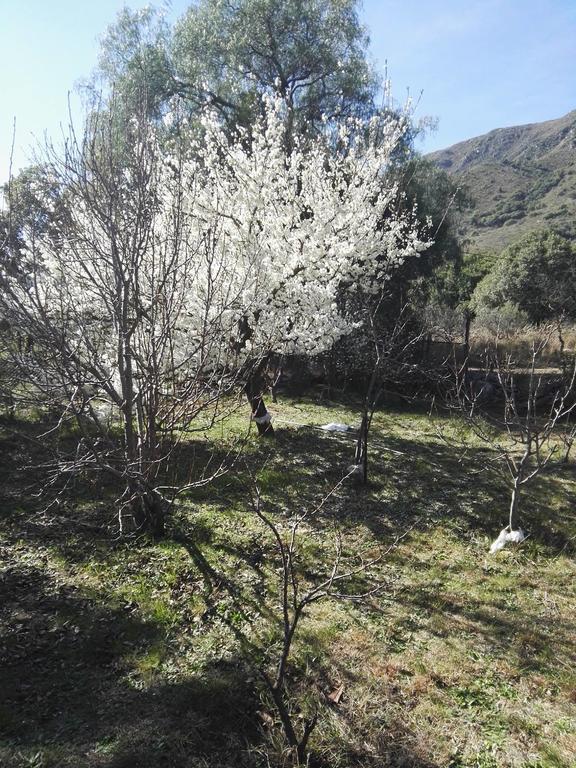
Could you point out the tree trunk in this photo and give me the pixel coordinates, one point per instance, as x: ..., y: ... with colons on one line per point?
x: 373, y: 392
x: 285, y: 718
x: 298, y: 745
x: 562, y: 349
x: 467, y: 324
x: 361, y: 455
x: 148, y: 510
x: 260, y: 413
x: 514, y: 502
x: 427, y: 348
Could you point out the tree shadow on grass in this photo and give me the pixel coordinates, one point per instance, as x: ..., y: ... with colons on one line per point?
x: 68, y: 682
x: 69, y: 692
x: 532, y: 643
x: 413, y: 485
x: 411, y: 482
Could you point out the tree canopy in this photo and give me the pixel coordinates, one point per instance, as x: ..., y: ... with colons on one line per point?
x: 226, y: 54
x: 537, y: 274
x: 135, y: 61
x: 311, y: 52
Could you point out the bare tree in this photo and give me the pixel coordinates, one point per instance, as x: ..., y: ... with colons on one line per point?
x: 522, y: 413
x: 297, y: 593
x: 388, y: 349
x: 108, y: 305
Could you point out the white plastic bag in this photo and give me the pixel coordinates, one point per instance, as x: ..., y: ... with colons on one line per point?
x: 506, y: 537
x: 335, y: 426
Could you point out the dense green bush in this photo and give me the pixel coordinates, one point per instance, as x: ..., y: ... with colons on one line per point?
x: 537, y: 274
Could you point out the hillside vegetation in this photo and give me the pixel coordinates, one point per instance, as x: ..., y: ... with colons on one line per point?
x: 520, y: 179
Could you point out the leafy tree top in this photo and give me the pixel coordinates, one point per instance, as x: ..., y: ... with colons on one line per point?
x: 311, y: 52
x: 226, y: 54
x: 537, y: 274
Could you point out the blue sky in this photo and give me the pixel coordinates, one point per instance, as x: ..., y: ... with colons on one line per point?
x: 481, y: 64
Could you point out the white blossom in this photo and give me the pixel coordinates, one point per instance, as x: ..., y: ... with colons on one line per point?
x: 246, y: 250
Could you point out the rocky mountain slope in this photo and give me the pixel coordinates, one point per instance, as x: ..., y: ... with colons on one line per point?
x: 519, y: 179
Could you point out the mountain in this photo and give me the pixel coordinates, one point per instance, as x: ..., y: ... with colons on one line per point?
x: 519, y: 179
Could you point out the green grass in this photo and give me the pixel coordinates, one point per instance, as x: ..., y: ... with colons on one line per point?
x: 146, y: 653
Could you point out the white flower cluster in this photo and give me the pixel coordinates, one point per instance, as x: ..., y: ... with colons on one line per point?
x: 236, y: 250
x: 292, y: 231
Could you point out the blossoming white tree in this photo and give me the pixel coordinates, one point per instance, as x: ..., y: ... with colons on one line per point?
x: 299, y: 232
x: 175, y: 272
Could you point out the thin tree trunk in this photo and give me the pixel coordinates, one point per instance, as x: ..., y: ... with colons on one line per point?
x: 287, y: 725
x: 514, y: 503
x: 148, y: 509
x: 370, y: 400
x: 518, y: 480
x: 361, y: 454
x: 365, y: 451
x: 427, y: 347
x: 562, y: 349
x: 467, y: 324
